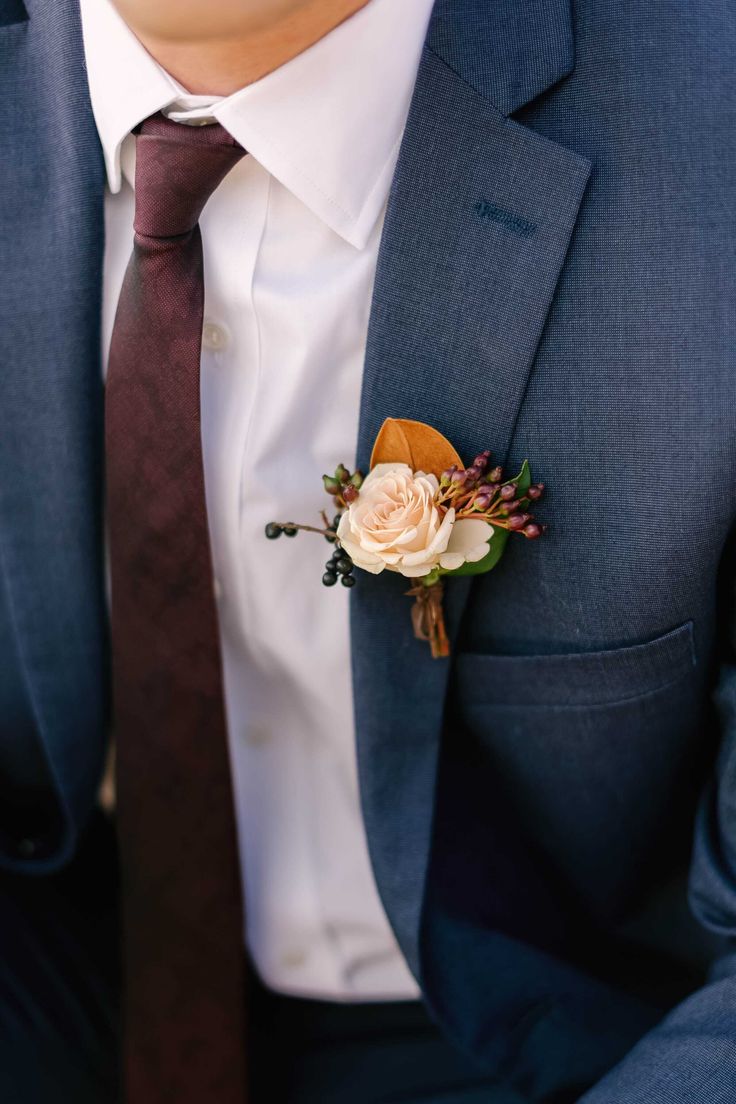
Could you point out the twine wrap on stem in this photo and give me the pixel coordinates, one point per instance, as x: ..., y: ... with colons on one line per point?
x: 428, y: 618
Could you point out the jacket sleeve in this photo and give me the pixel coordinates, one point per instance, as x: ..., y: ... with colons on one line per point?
x: 691, y: 1055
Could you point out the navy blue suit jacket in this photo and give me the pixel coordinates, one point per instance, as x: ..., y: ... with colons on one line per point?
x: 556, y: 280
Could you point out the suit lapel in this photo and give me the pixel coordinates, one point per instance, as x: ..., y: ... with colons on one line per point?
x: 478, y: 224
x: 51, y: 232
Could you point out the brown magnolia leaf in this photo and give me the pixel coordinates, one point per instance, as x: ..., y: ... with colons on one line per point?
x: 401, y: 441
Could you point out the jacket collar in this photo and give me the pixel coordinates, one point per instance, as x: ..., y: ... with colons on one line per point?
x: 509, y: 52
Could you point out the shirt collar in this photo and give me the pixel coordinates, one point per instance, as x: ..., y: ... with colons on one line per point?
x: 327, y: 125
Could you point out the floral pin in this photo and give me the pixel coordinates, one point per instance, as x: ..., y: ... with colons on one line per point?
x: 419, y: 512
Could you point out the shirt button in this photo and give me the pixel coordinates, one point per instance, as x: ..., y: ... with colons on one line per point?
x: 294, y: 957
x: 257, y: 735
x: 215, y: 337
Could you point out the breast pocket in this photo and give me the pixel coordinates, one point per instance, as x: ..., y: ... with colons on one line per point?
x: 595, y: 751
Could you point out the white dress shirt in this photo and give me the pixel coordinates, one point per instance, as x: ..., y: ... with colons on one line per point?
x: 290, y: 246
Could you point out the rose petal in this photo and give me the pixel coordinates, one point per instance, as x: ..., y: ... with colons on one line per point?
x: 452, y: 560
x: 382, y: 546
x: 413, y: 572
x: 477, y: 553
x: 428, y: 478
x: 343, y: 528
x: 407, y: 535
x: 468, y: 533
x: 437, y: 545
x: 373, y: 569
x: 365, y: 560
x: 383, y: 469
x: 468, y: 543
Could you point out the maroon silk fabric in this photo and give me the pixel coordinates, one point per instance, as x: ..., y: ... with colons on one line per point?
x: 183, y: 926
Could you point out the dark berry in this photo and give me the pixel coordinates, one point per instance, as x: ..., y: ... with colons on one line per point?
x: 336, y: 521
x: 273, y: 530
x: 290, y: 530
x: 344, y: 565
x: 532, y: 530
x: 330, y: 566
x: 329, y: 578
x: 348, y: 580
x: 338, y: 554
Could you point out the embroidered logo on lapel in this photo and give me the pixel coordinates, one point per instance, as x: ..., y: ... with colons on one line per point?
x: 515, y: 223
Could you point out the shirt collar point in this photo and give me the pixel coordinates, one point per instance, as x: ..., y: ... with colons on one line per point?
x: 113, y: 170
x: 357, y: 233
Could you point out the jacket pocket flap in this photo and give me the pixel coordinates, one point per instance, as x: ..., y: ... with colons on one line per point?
x: 577, y: 679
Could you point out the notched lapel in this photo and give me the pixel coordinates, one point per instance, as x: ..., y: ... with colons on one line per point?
x: 478, y: 224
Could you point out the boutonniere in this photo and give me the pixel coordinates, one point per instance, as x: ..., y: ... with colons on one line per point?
x: 421, y: 513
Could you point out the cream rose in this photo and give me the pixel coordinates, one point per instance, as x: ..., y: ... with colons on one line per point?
x: 396, y: 524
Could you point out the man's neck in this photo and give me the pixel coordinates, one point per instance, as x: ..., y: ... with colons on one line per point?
x: 222, y: 64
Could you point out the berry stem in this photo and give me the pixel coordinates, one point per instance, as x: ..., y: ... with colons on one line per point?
x: 328, y: 532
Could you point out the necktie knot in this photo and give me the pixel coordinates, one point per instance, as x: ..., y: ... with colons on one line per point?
x: 177, y: 169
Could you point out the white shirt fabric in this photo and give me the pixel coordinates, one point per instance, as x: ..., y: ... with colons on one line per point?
x: 290, y: 247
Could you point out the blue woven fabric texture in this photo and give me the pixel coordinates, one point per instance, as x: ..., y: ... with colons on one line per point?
x: 555, y: 281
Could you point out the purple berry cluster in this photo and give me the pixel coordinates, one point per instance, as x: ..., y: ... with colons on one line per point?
x: 477, y: 492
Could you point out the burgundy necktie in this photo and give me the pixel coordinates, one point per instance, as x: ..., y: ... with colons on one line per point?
x: 183, y: 923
